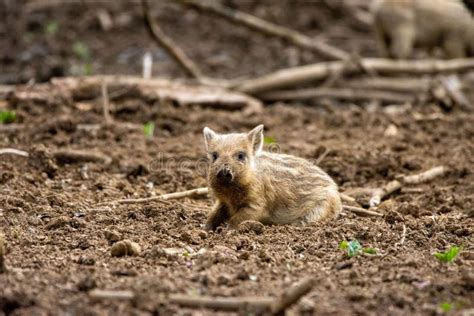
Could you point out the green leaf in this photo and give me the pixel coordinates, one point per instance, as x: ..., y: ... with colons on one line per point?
x: 448, y: 255
x: 353, y: 248
x: 343, y: 245
x: 186, y: 254
x: 148, y: 129
x: 51, y: 28
x: 81, y: 50
x: 268, y: 140
x: 446, y: 307
x: 7, y: 116
x: 369, y: 250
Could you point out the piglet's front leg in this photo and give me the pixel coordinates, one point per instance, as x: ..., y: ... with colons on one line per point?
x: 217, y: 216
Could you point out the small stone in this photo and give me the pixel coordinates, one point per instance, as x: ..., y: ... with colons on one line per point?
x: 125, y: 248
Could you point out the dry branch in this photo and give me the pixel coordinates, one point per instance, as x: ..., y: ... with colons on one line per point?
x: 292, y: 295
x: 65, y: 155
x: 154, y: 89
x: 167, y: 43
x: 361, y: 211
x: 163, y: 197
x: 399, y: 84
x: 274, y: 306
x: 396, y: 185
x: 315, y: 72
x: 222, y: 303
x: 13, y: 151
x: 268, y: 28
x: 336, y: 93
x: 112, y: 294
x: 79, y: 156
x: 106, y: 103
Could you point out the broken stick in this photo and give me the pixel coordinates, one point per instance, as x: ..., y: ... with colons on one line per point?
x: 336, y: 93
x: 222, y: 303
x: 274, y: 306
x: 168, y: 45
x: 292, y: 295
x: 163, y: 197
x: 257, y: 24
x: 319, y: 71
x: 361, y: 211
x: 396, y: 185
x: 13, y: 151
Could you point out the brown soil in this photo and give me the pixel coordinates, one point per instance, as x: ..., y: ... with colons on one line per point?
x: 58, y: 239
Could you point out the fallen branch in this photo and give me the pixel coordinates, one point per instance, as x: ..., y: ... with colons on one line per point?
x: 336, y: 93
x: 292, y: 295
x: 88, y: 88
x: 221, y: 303
x: 274, y: 306
x: 76, y: 156
x: 425, y: 176
x: 268, y: 28
x: 400, y: 84
x: 112, y: 294
x: 163, y: 197
x: 106, y: 103
x: 13, y: 151
x: 167, y: 43
x: 315, y: 72
x: 65, y: 155
x: 361, y: 211
x: 396, y: 185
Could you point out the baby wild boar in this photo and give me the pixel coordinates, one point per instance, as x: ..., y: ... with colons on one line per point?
x: 400, y: 25
x: 251, y: 184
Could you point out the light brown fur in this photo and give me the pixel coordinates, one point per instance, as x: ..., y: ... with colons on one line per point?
x: 266, y: 187
x: 402, y: 25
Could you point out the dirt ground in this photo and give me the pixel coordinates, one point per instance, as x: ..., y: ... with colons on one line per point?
x: 56, y: 231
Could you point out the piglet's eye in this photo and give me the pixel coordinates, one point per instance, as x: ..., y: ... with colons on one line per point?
x: 214, y: 156
x: 241, y: 156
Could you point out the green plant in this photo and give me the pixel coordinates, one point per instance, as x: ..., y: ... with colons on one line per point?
x: 149, y: 129
x: 268, y: 140
x: 81, y: 50
x: 51, y: 28
x: 7, y: 116
x: 449, y: 255
x: 354, y: 247
x: 446, y: 307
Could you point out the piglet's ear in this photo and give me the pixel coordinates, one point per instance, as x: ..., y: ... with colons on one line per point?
x: 209, y: 135
x: 255, y: 137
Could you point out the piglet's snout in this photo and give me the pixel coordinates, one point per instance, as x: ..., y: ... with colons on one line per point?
x: 225, y: 174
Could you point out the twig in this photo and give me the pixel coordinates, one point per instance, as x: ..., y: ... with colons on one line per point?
x: 147, y: 65
x: 106, y: 103
x: 221, y: 303
x: 78, y: 156
x: 425, y: 176
x: 411, y: 85
x: 274, y: 306
x: 310, y: 73
x: 361, y: 211
x: 396, y: 185
x: 347, y: 198
x: 152, y: 89
x: 336, y: 93
x: 268, y: 28
x: 112, y: 294
x: 167, y: 44
x: 292, y: 295
x: 163, y: 197
x: 13, y: 151
x: 322, y: 156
